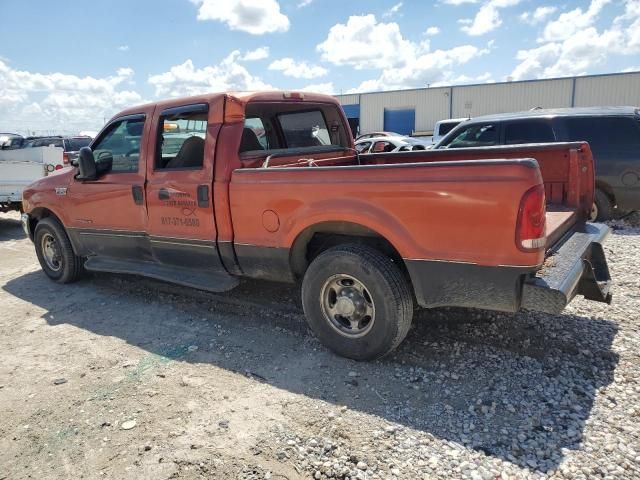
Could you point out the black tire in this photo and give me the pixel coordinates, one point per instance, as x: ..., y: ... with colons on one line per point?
x: 603, y: 207
x: 386, y: 291
x: 69, y: 266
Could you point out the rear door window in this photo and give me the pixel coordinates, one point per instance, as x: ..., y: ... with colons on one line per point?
x: 383, y: 147
x: 182, y: 137
x: 528, y: 131
x: 75, y: 144
x: 363, y: 147
x: 481, y: 135
x: 605, y: 132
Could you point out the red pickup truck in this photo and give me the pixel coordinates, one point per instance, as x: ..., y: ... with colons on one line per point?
x: 205, y: 190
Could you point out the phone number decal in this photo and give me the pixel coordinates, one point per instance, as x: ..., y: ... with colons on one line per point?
x: 180, y: 222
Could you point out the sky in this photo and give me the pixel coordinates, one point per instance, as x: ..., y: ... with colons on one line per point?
x: 70, y: 65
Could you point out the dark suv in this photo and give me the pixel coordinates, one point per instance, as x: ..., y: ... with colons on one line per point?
x: 70, y: 145
x: 612, y: 132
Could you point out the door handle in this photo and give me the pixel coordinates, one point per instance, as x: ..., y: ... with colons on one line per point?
x: 138, y: 195
x: 163, y: 194
x: 203, y: 196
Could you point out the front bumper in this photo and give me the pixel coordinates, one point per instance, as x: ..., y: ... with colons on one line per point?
x: 576, y: 267
x: 26, y: 225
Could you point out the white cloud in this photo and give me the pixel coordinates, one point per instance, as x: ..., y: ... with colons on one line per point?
x: 487, y: 19
x: 185, y: 79
x: 585, y: 48
x: 432, y: 31
x: 458, y: 2
x: 291, y: 68
x: 365, y: 43
x: 304, y: 3
x: 123, y: 48
x: 484, y: 78
x: 258, y: 54
x: 256, y: 17
x: 393, y: 10
x: 431, y: 68
x: 60, y: 102
x: 326, y: 88
x: 572, y: 22
x: 538, y: 15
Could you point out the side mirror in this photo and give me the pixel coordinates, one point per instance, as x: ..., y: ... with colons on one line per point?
x: 86, y: 165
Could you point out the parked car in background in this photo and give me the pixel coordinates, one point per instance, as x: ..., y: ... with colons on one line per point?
x: 445, y: 126
x: 612, y: 132
x: 10, y: 141
x: 378, y: 134
x: 390, y: 144
x: 70, y: 145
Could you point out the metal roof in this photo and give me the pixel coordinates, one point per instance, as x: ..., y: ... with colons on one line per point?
x: 561, y: 112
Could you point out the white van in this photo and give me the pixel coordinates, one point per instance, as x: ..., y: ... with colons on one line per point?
x: 21, y: 167
x: 445, y: 126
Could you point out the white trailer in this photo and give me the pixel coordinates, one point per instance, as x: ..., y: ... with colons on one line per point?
x: 19, y: 168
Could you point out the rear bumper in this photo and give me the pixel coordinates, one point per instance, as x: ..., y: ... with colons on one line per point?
x: 577, y: 266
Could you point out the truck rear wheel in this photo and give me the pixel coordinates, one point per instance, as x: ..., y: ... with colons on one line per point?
x: 54, y: 251
x: 357, y: 301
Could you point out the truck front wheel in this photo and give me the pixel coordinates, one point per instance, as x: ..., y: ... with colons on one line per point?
x: 357, y: 301
x: 54, y: 251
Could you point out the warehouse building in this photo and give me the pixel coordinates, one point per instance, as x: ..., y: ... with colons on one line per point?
x: 415, y: 112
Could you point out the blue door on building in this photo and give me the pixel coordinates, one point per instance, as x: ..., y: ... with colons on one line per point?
x: 353, y: 116
x: 401, y: 121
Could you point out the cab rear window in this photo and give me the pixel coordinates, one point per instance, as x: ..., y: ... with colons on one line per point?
x: 273, y: 127
x: 304, y: 129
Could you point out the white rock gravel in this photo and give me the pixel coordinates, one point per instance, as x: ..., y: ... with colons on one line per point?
x: 233, y: 386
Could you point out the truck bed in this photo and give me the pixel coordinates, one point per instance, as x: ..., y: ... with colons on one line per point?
x: 566, y: 169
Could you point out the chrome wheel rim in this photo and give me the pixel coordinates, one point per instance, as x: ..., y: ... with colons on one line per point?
x: 51, y: 252
x: 347, y: 305
x: 594, y: 212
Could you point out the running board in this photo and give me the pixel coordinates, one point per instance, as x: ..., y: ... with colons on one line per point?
x: 200, y: 279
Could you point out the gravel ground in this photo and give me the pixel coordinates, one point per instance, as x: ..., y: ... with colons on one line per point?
x: 121, y: 377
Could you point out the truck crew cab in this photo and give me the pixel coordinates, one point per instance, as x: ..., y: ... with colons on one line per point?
x: 205, y: 190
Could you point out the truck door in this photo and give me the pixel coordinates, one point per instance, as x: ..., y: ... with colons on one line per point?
x: 108, y: 215
x: 181, y: 224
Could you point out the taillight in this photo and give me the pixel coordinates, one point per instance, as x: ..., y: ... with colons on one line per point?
x: 65, y: 158
x: 59, y: 167
x: 531, y: 226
